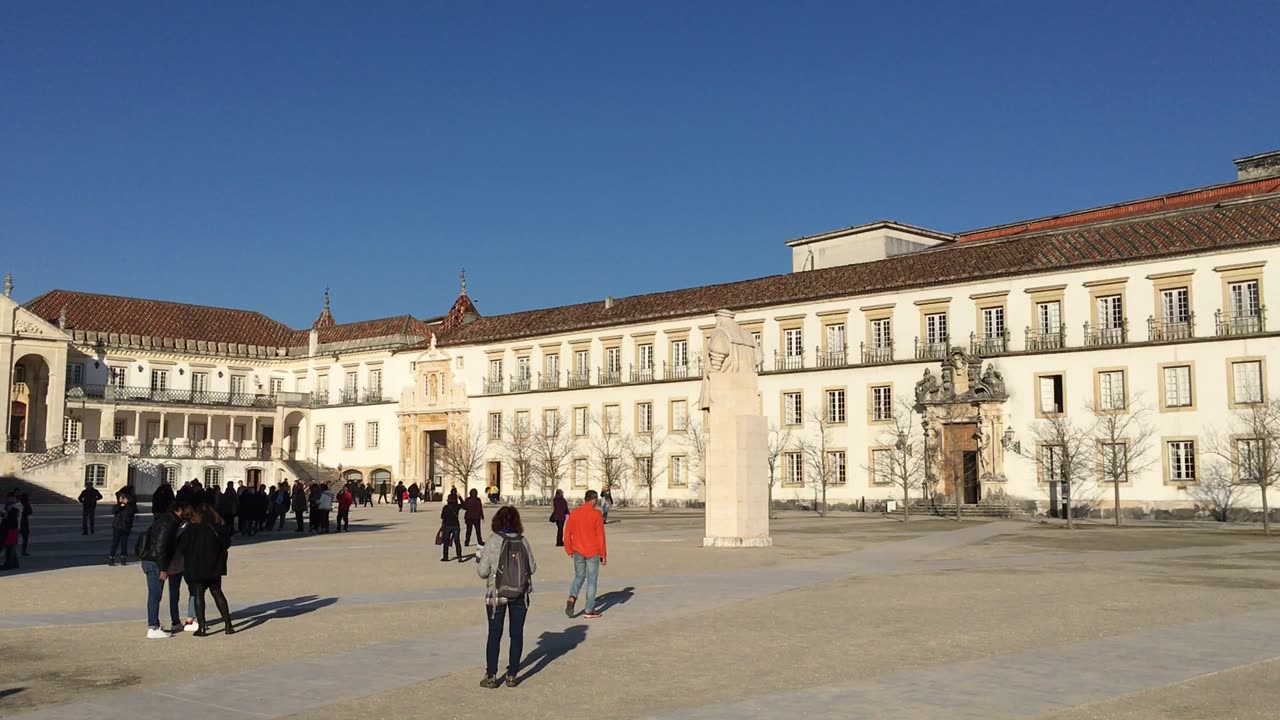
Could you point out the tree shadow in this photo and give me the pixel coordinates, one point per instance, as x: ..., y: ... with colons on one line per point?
x: 279, y: 609
x: 551, y: 647
x: 614, y: 597
x: 11, y: 691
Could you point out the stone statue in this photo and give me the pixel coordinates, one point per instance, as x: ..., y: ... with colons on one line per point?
x: 431, y: 348
x: 975, y: 371
x: 730, y: 351
x: 948, y: 389
x: 993, y: 381
x: 926, y: 387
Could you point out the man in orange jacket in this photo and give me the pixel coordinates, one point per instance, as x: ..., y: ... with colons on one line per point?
x: 584, y: 542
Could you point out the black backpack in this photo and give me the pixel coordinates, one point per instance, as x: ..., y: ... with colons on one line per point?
x: 511, y: 581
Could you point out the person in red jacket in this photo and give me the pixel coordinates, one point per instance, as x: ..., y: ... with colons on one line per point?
x: 584, y: 542
x: 345, y: 500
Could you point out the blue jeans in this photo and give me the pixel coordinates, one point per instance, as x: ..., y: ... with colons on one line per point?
x: 585, y: 568
x: 413, y: 504
x: 155, y: 588
x: 517, y: 611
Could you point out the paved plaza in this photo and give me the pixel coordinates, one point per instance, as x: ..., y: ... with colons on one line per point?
x: 847, y: 616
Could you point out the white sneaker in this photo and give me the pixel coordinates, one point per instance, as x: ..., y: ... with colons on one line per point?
x: 157, y: 634
x: 191, y: 627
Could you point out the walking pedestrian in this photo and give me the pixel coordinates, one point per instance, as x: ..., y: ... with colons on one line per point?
x: 24, y: 521
x: 229, y: 506
x: 155, y: 554
x: 366, y: 493
x: 299, y: 500
x: 452, y: 531
x: 344, y: 509
x: 507, y: 565
x: 280, y: 505
x: 400, y: 495
x: 474, y: 508
x: 122, y: 514
x: 383, y: 487
x: 559, y: 513
x: 584, y: 542
x: 9, y: 535
x: 88, y: 499
x: 414, y: 493
x: 204, y: 545
x: 606, y: 503
x: 324, y: 504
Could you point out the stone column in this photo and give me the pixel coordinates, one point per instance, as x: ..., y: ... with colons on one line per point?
x: 55, y: 397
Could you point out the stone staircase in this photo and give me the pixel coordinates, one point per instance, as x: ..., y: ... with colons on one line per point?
x: 311, y: 472
x: 39, y: 495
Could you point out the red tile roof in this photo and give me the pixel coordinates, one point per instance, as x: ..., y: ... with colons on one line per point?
x: 405, y: 325
x: 1195, y: 230
x: 1184, y: 199
x: 161, y: 319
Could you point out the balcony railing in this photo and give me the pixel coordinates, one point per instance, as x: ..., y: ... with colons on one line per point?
x: 198, y: 451
x: 932, y: 350
x: 549, y: 382
x: 1227, y: 323
x: 579, y: 379
x: 876, y: 354
x: 520, y: 384
x: 115, y: 393
x: 677, y: 372
x: 836, y: 357
x: 642, y: 375
x: 492, y: 386
x: 54, y: 453
x: 1164, y: 330
x: 788, y: 362
x: 1107, y: 335
x: 605, y: 376
x: 989, y: 344
x: 107, y: 447
x: 1046, y: 339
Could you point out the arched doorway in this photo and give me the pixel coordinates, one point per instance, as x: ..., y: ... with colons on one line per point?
x: 295, y: 435
x: 381, y: 480
x: 29, y: 410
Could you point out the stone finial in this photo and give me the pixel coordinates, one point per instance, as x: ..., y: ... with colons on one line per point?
x: 8, y: 285
x: 463, y: 277
x: 325, y: 320
x: 62, y: 318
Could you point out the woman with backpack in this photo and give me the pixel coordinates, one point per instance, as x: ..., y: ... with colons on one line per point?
x: 506, y: 563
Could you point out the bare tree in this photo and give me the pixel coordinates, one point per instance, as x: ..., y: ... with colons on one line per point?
x: 1125, y: 438
x: 902, y: 460
x: 696, y: 436
x: 1066, y: 454
x: 644, y: 451
x: 821, y: 471
x: 1216, y: 490
x: 518, y: 448
x: 1250, y: 448
x: 553, y: 446
x: 779, y: 440
x: 609, y: 452
x: 463, y: 453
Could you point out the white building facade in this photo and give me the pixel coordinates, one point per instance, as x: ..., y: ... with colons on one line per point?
x: 1158, y: 305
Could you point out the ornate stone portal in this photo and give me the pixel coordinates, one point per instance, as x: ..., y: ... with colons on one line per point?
x: 964, y: 422
x: 737, y: 488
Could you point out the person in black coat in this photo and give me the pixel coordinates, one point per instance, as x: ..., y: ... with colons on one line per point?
x: 122, y: 514
x: 24, y: 524
x: 203, y: 546
x: 451, y: 527
x: 88, y: 500
x: 161, y: 499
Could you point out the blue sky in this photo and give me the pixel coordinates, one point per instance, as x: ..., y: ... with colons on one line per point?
x: 248, y: 154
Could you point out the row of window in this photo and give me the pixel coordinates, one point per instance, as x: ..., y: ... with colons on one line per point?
x: 96, y: 475
x: 679, y: 357
x: 238, y: 384
x: 1177, y: 387
x: 582, y: 421
x: 372, y: 436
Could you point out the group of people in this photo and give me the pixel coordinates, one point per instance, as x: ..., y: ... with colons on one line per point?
x: 15, y: 526
x: 472, y: 511
x: 507, y: 564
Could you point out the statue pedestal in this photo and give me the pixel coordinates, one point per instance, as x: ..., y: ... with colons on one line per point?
x: 737, y: 487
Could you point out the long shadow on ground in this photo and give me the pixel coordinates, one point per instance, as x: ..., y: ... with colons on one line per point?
x: 551, y: 647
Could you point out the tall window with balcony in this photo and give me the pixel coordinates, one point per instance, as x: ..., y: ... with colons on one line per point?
x: 835, y: 406
x: 1244, y: 314
x: 644, y: 363
x: 375, y: 383
x: 524, y: 373
x: 351, y: 387
x: 237, y: 387
x: 1174, y: 322
x: 612, y: 366
x: 494, y: 382
x: 679, y: 359
x: 880, y: 334
x: 322, y: 389
x: 991, y: 339
x: 936, y: 337
x: 835, y: 352
x: 550, y: 370
x: 118, y: 430
x: 200, y: 387
x: 1049, y: 333
x: 792, y: 349
x: 277, y: 386
x: 117, y: 377
x: 1111, y: 324
x: 159, y: 382
x: 581, y: 369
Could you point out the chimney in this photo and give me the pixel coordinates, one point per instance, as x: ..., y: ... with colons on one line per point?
x: 608, y: 302
x: 1256, y: 167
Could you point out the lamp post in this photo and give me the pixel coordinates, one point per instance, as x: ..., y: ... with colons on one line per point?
x: 317, y: 451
